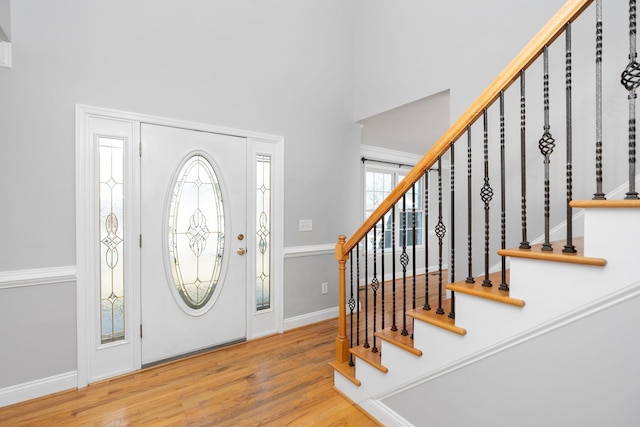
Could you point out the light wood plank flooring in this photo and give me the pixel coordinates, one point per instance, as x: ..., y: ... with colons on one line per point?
x: 284, y: 380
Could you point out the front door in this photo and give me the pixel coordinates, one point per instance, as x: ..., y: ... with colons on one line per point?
x: 193, y: 223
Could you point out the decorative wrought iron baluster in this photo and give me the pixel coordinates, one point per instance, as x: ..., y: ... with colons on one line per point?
x: 486, y: 194
x: 569, y: 246
x: 503, y: 206
x: 546, y: 145
x: 366, y: 294
x: 358, y: 294
x: 404, y: 261
x: 394, y: 326
x: 631, y: 80
x: 413, y: 243
x: 375, y: 284
x: 470, y: 278
x: 524, y: 244
x: 426, y: 305
x: 352, y: 306
x: 598, y: 195
x: 452, y: 238
x: 440, y: 233
x: 382, y: 243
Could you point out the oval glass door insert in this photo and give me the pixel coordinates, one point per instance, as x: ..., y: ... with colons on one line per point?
x: 196, y: 231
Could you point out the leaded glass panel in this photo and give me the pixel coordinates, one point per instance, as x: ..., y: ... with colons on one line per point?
x: 111, y: 207
x: 263, y: 234
x: 196, y: 232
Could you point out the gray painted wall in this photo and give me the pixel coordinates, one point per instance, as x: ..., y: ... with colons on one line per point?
x: 5, y: 20
x: 583, y: 374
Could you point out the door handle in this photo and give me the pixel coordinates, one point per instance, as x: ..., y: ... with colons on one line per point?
x: 241, y: 251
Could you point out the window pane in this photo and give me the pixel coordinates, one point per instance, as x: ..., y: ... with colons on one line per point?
x: 111, y: 208
x: 263, y: 227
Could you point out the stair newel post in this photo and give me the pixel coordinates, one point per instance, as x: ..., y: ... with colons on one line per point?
x: 546, y: 146
x: 426, y: 305
x: 469, y: 278
x: 394, y: 325
x: 524, y: 244
x: 452, y: 237
x: 342, y: 342
x: 486, y: 194
x: 366, y: 293
x: 503, y: 206
x: 630, y: 80
x: 599, y: 195
x: 404, y: 261
x: 569, y: 246
x: 375, y: 284
x: 440, y: 233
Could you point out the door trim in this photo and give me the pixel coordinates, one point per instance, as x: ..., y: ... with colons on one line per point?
x: 259, y: 324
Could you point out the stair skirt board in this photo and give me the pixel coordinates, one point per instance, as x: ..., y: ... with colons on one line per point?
x: 366, y: 399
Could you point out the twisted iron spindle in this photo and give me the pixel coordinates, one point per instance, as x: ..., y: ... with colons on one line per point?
x: 375, y: 284
x: 352, y: 306
x: 486, y: 194
x: 440, y: 233
x: 366, y: 294
x: 382, y: 243
x: 358, y: 294
x: 469, y: 278
x: 413, y: 246
x: 569, y: 246
x: 598, y: 195
x: 546, y: 146
x: 630, y: 80
x: 426, y: 305
x: 503, y: 207
x: 404, y: 261
x: 452, y: 238
x: 524, y: 244
x: 394, y: 326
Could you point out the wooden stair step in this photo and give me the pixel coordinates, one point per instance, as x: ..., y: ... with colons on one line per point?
x: 493, y: 293
x: 605, y: 204
x: 396, y: 338
x: 556, y: 254
x: 348, y: 371
x: 440, y: 320
x: 367, y: 355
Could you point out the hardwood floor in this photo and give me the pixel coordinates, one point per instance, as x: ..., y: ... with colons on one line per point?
x: 284, y: 380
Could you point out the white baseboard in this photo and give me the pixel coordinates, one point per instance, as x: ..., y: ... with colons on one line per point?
x: 38, y: 388
x: 384, y: 414
x: 309, y: 318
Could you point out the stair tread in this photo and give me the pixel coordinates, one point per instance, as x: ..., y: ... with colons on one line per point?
x: 493, y: 293
x: 348, y: 371
x: 556, y: 254
x: 396, y: 338
x: 367, y: 355
x: 440, y: 320
x: 605, y: 203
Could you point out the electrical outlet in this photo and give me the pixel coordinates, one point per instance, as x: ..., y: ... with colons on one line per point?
x: 305, y: 225
x: 325, y: 288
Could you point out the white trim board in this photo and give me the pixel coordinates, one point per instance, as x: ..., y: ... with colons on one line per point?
x: 311, y: 250
x: 5, y: 54
x: 37, y: 276
x: 309, y: 318
x: 38, y: 388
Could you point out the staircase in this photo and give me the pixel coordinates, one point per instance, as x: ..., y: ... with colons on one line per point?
x: 519, y: 293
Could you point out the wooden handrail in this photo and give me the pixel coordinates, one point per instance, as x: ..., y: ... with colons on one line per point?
x: 554, y: 28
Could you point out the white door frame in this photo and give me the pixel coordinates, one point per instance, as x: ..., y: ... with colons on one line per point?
x: 259, y: 324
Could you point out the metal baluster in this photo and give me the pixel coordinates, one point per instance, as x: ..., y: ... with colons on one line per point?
x: 569, y: 246
x: 486, y: 194
x: 404, y: 261
x: 470, y: 278
x: 394, y: 326
x: 524, y: 244
x: 413, y: 246
x: 382, y: 243
x: 352, y: 306
x: 375, y: 285
x: 630, y: 80
x: 452, y: 261
x: 503, y: 207
x: 546, y: 146
x: 366, y: 294
x: 426, y: 305
x: 358, y: 294
x: 440, y: 233
x: 598, y: 195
